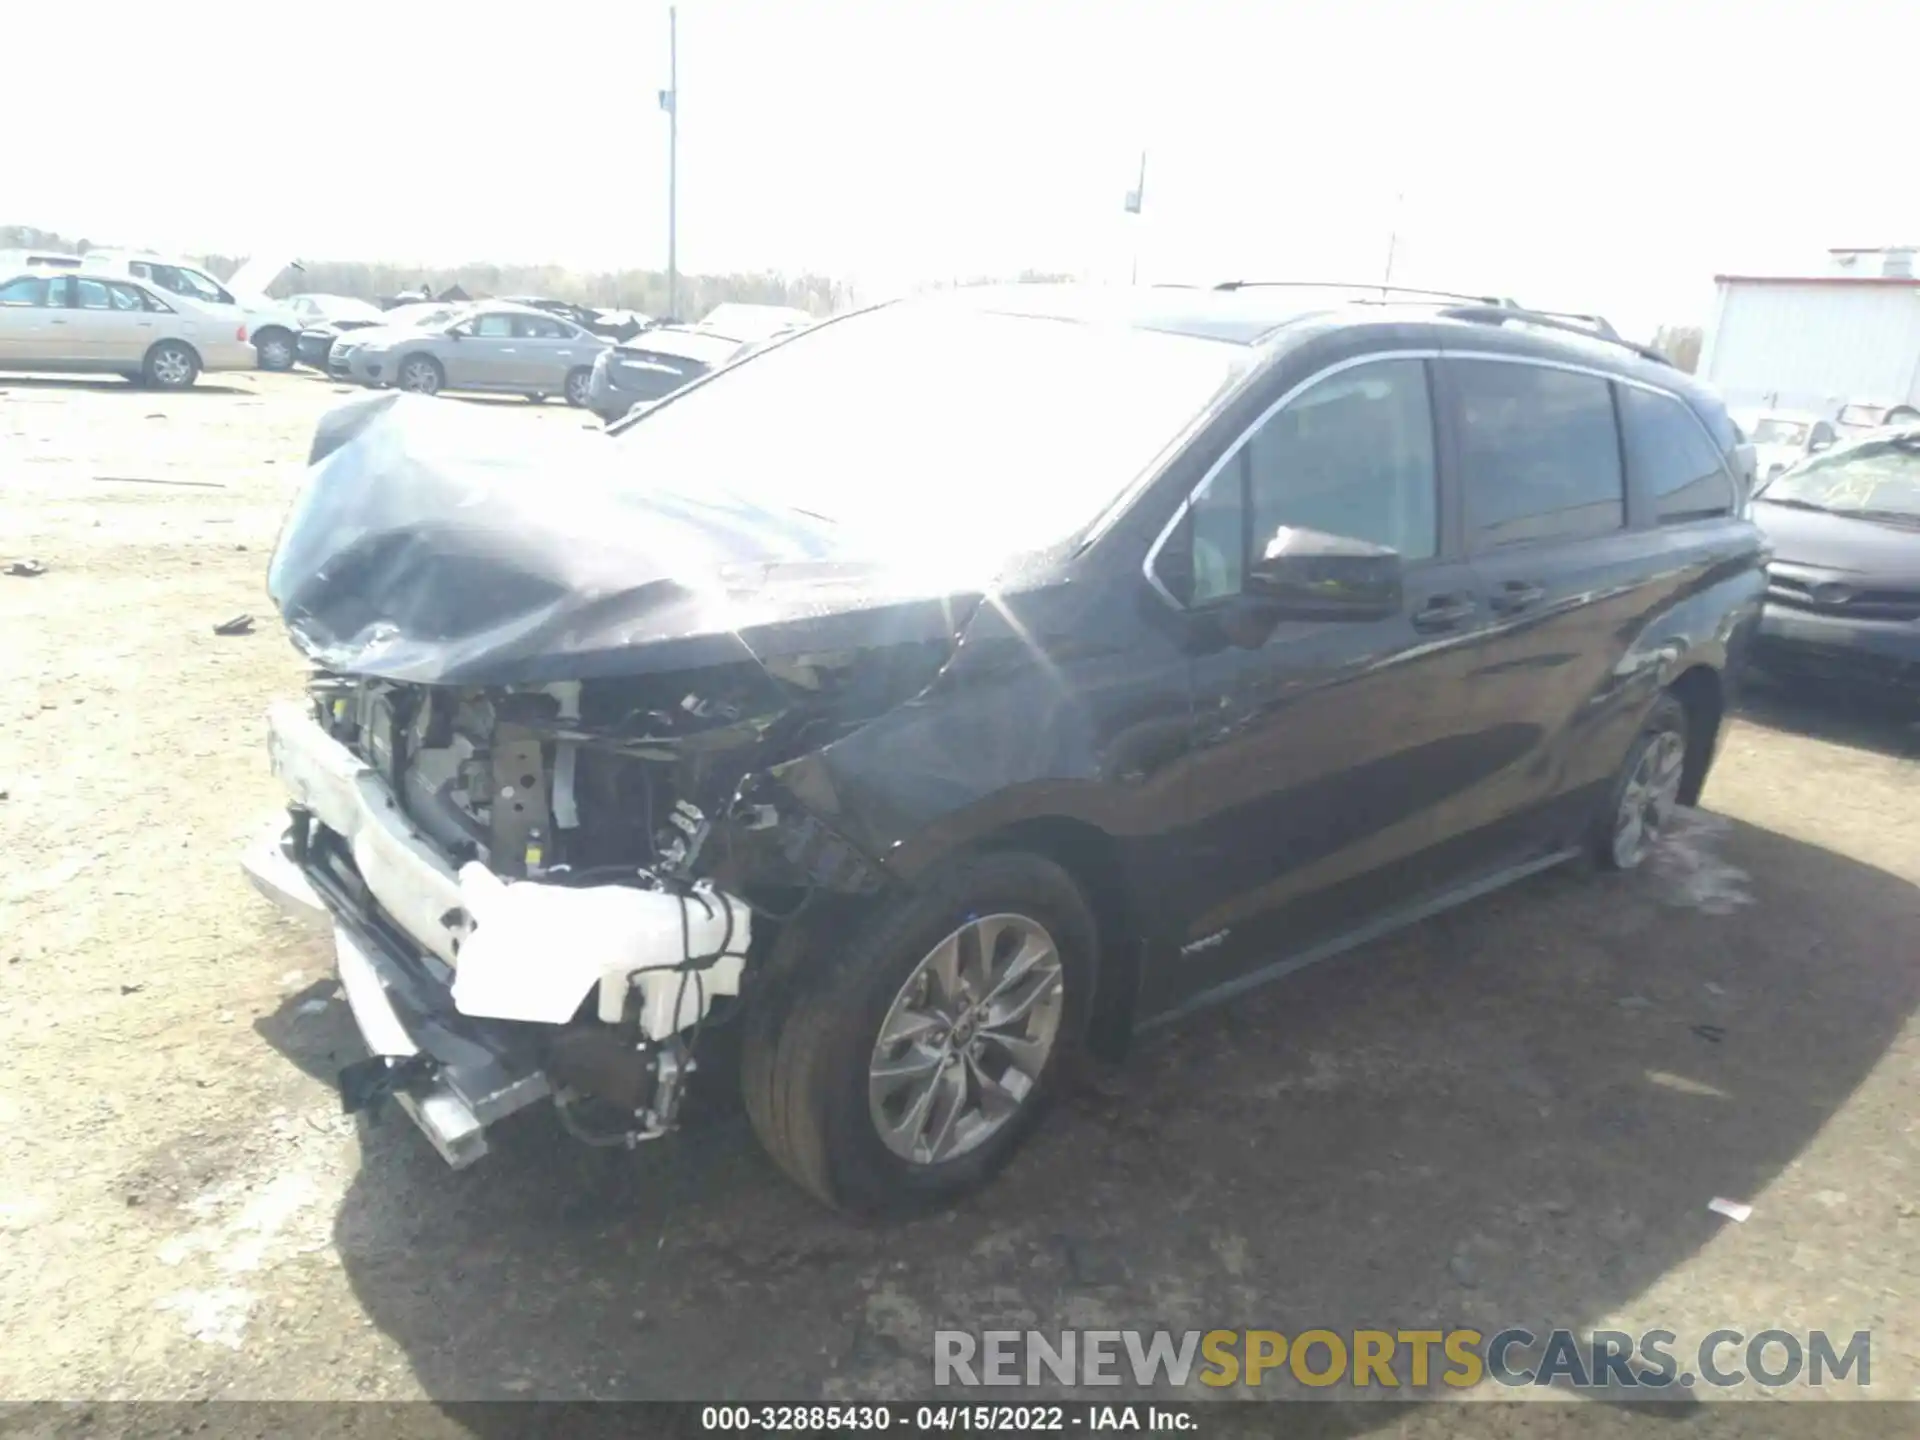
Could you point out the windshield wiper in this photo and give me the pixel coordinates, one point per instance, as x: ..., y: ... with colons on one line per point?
x: 1794, y: 503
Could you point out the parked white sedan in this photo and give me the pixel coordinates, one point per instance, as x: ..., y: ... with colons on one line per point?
x: 91, y: 324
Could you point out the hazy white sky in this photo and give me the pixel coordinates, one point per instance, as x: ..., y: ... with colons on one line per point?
x: 1576, y: 155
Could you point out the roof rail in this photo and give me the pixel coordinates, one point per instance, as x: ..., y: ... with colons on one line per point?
x: 1593, y: 328
x: 1384, y: 290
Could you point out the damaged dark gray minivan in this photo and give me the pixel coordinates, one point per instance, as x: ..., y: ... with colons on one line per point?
x: 972, y: 680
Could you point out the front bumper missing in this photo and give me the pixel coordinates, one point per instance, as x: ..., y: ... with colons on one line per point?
x: 452, y: 1074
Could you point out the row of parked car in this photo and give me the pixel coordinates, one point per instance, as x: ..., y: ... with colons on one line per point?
x: 534, y: 347
x: 164, y: 322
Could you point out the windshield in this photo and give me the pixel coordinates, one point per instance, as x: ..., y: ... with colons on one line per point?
x: 1775, y: 431
x: 1875, y: 477
x: 752, y: 322
x: 994, y: 434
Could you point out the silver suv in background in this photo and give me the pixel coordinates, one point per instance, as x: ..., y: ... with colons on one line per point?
x: 487, y: 347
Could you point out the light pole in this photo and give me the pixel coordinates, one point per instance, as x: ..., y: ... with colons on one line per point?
x: 670, y: 102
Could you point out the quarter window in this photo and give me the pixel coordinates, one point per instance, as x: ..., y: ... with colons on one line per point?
x: 1539, y: 453
x: 1672, y: 458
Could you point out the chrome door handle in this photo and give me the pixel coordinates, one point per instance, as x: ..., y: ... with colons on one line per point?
x: 1513, y: 596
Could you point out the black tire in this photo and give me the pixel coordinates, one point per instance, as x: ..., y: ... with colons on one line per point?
x: 420, y: 375
x: 171, y: 365
x: 1902, y: 415
x: 1666, y: 719
x: 815, y: 1014
x: 579, y: 383
x: 276, y: 349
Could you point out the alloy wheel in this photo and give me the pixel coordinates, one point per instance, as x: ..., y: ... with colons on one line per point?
x: 965, y: 1041
x: 1649, y: 797
x: 420, y: 377
x: 172, y: 367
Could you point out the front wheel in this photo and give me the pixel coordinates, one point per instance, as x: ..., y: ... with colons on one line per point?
x: 1647, y: 789
x: 901, y: 1067
x: 579, y: 383
x: 171, y: 366
x: 422, y: 375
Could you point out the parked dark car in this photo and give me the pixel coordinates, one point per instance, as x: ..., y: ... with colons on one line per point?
x: 970, y: 679
x: 1843, y: 589
x: 609, y: 324
x: 324, y: 319
x: 654, y: 365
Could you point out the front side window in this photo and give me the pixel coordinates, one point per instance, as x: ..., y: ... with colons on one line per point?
x: 1352, y: 455
x: 94, y: 295
x: 540, y: 327
x: 1672, y: 457
x: 127, y: 297
x: 1539, y: 454
x: 28, y: 292
x: 182, y: 281
x: 496, y: 326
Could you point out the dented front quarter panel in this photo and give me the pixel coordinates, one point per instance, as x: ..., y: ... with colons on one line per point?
x: 1024, y: 725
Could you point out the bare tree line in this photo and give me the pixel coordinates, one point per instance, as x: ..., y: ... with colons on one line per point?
x: 642, y: 290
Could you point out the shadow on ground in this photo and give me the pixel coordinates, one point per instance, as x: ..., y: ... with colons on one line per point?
x: 203, y: 386
x: 1885, y: 724
x: 1504, y: 1116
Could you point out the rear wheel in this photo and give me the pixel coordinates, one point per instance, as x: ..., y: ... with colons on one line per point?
x: 903, y: 1066
x: 422, y: 375
x: 579, y: 382
x: 1647, y: 789
x: 171, y: 365
x: 275, y: 348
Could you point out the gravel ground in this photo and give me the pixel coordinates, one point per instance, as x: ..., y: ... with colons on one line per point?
x: 1513, y: 1114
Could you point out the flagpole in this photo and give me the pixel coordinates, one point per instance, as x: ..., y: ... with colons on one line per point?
x: 1135, y: 205
x: 670, y: 100
x: 1393, y: 243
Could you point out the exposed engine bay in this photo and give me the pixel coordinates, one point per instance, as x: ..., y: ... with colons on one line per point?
x: 622, y: 850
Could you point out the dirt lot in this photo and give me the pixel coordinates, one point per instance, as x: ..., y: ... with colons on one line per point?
x: 1514, y: 1114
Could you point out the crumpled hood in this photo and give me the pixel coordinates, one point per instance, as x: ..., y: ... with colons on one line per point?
x: 441, y: 543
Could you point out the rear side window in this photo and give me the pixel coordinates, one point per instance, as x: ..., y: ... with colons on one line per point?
x: 1672, y: 458
x: 29, y: 291
x: 1539, y: 454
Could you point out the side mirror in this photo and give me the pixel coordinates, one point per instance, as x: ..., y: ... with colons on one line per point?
x: 454, y: 332
x: 1310, y: 575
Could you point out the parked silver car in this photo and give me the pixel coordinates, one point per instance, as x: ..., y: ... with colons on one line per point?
x: 67, y: 321
x: 491, y: 346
